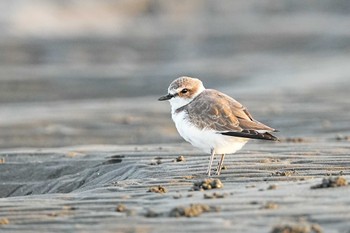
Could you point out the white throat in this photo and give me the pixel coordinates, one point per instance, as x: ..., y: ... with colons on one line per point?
x: 178, y: 102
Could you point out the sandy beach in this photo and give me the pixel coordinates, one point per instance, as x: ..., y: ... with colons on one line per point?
x: 86, y: 147
x: 80, y: 189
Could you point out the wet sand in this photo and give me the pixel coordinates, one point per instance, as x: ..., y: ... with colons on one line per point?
x: 264, y: 186
x: 86, y: 146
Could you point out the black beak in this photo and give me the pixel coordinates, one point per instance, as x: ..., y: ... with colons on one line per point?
x: 166, y: 97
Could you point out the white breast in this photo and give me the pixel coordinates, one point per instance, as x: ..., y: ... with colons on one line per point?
x: 206, y: 139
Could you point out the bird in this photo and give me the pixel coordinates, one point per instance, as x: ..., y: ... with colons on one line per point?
x: 211, y: 120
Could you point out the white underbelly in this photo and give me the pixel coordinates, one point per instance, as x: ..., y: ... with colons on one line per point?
x: 207, y: 139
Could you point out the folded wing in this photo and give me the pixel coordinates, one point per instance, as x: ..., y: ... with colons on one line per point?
x: 219, y: 112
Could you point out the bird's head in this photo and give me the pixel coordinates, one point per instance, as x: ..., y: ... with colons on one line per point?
x: 182, y: 91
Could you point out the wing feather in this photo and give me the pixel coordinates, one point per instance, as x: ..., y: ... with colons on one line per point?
x: 219, y: 112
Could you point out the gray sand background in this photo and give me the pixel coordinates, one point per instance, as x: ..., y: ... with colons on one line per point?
x: 81, y: 130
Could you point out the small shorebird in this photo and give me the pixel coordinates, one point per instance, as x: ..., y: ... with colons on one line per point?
x: 211, y: 120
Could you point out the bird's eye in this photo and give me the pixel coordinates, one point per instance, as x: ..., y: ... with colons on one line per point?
x: 184, y: 91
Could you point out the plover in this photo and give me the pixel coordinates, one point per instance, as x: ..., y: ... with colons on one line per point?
x: 212, y: 121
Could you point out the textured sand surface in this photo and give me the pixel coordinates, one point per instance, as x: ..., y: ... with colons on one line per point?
x: 83, y: 137
x: 266, y: 185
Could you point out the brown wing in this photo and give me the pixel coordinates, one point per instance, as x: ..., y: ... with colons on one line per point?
x: 217, y: 111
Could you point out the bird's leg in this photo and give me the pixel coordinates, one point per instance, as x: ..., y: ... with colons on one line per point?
x: 211, y: 161
x: 218, y: 170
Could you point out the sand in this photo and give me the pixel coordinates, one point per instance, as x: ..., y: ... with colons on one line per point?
x: 86, y: 147
x: 80, y: 188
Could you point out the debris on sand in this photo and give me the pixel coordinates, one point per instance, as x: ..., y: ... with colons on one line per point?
x: 215, y: 195
x: 2, y: 160
x: 272, y: 187
x: 114, y: 159
x: 270, y: 160
x: 193, y: 210
x: 340, y: 173
x: 178, y: 196
x: 157, y: 189
x: 120, y: 208
x: 151, y: 214
x: 4, y: 221
x: 297, y: 228
x: 283, y: 173
x: 69, y: 208
x: 335, y: 174
x: 294, y: 140
x: 222, y: 168
x: 270, y: 205
x: 207, y: 184
x: 65, y: 211
x: 331, y: 182
x: 181, y: 158
x: 156, y: 161
x: 342, y: 138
